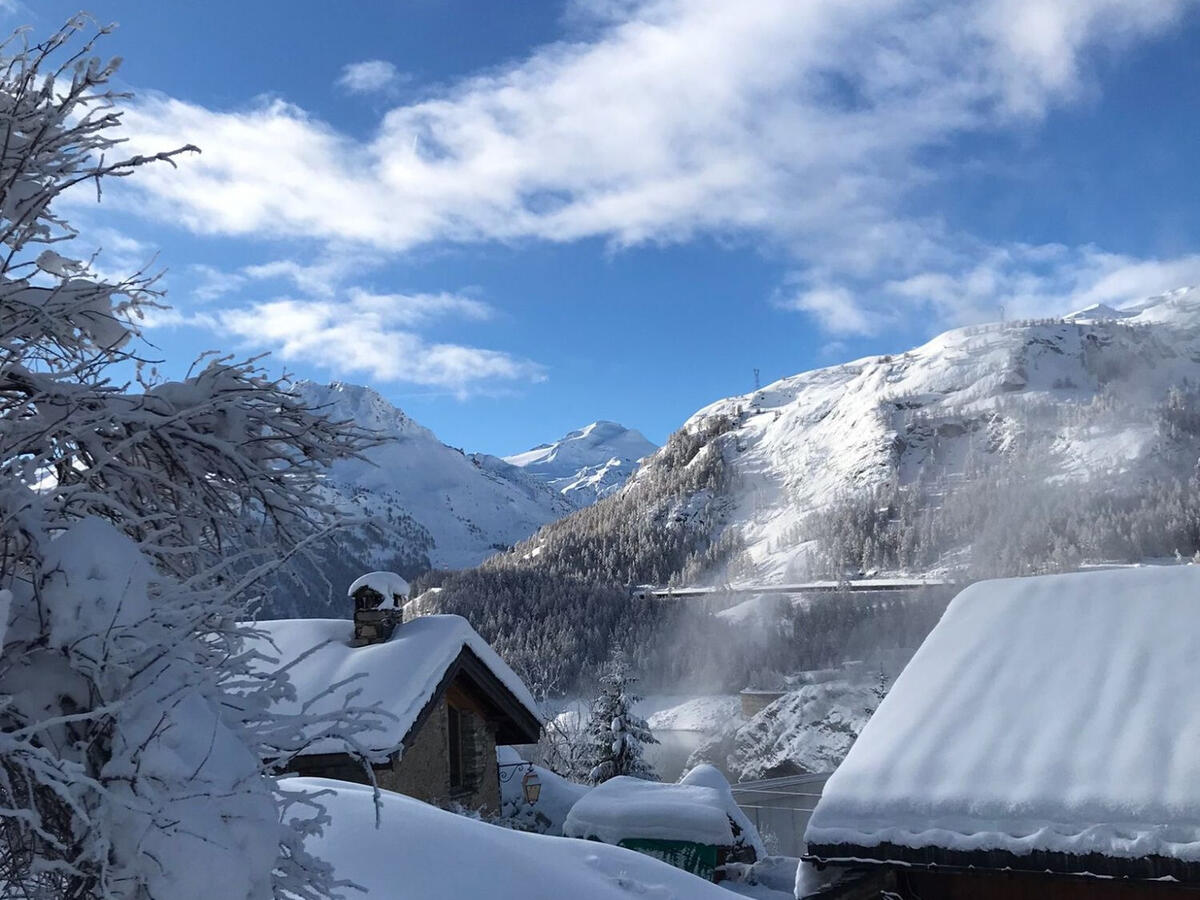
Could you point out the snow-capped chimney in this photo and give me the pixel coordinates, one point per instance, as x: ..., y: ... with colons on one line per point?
x: 379, y: 598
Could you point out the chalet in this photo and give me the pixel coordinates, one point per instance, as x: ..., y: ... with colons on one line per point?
x: 448, y: 698
x: 1044, y: 742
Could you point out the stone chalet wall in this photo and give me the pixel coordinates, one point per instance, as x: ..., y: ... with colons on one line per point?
x: 423, y: 771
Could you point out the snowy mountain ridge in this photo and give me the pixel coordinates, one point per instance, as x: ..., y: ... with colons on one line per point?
x: 1077, y: 398
x: 805, y: 440
x: 467, y: 506
x: 587, y: 464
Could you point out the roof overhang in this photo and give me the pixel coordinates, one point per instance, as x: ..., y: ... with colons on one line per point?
x: 515, y: 723
x: 1039, y: 862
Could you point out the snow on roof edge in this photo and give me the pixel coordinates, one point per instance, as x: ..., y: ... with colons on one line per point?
x: 627, y: 808
x: 1044, y: 714
x: 416, y: 658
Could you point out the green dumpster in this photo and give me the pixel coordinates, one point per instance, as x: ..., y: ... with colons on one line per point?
x: 699, y: 859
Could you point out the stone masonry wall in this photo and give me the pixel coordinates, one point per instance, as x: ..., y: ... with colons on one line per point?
x: 424, y: 769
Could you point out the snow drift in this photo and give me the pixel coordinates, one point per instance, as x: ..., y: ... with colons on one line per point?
x: 422, y: 853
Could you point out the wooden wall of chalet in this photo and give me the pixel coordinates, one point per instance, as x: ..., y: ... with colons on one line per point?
x: 987, y: 885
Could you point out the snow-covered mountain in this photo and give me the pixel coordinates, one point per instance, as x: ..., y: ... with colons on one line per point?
x: 1072, y: 393
x: 454, y: 508
x: 1079, y: 398
x: 587, y: 464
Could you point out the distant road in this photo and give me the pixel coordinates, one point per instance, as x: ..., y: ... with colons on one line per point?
x: 805, y: 587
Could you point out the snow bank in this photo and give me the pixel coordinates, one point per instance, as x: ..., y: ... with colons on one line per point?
x: 419, y: 852
x: 400, y: 675
x: 554, y: 802
x: 1058, y: 713
x: 624, y: 808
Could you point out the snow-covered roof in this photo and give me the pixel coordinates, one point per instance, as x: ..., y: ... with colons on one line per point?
x: 400, y: 674
x: 709, y: 776
x: 1056, y: 714
x: 420, y: 852
x: 626, y: 808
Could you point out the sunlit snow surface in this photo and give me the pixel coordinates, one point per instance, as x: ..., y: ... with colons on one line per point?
x: 1057, y: 713
x: 625, y: 808
x: 419, y: 852
x: 470, y: 505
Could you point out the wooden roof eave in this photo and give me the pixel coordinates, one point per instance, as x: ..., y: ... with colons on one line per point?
x: 1041, y: 862
x: 516, y: 724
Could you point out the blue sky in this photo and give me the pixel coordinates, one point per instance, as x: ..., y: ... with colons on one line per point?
x: 515, y: 218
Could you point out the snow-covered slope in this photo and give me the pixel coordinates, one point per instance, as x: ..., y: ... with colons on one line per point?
x: 1076, y: 388
x: 589, y: 463
x: 464, y: 507
x: 400, y: 847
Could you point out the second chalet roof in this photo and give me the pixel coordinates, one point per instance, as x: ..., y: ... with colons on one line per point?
x: 1051, y: 722
x: 403, y: 674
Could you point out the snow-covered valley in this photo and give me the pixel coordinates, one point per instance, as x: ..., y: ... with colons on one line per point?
x: 423, y: 504
x: 991, y: 450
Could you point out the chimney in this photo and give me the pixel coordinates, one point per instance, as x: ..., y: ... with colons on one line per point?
x: 379, y: 599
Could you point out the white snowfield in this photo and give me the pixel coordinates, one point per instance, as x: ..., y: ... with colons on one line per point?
x: 587, y: 464
x: 1058, y: 713
x: 418, y: 852
x: 819, y: 435
x: 629, y: 808
x: 400, y: 675
x: 705, y: 714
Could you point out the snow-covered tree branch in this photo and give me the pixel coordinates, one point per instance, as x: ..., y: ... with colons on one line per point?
x: 136, y: 737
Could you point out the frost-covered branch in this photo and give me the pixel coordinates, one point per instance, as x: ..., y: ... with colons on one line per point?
x: 138, y: 742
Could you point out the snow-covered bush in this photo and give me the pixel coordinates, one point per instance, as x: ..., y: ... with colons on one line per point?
x: 563, y: 746
x: 615, y: 734
x: 136, y: 742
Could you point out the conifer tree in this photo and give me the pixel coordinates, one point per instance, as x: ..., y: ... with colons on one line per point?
x: 616, y: 735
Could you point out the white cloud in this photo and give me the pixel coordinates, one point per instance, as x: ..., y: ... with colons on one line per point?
x: 799, y: 123
x: 344, y: 327
x: 369, y: 76
x: 835, y: 307
x: 323, y: 276
x: 1012, y: 281
x: 370, y: 334
x: 212, y: 283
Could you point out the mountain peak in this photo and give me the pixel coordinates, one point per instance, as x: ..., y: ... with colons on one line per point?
x: 587, y: 463
x: 363, y: 405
